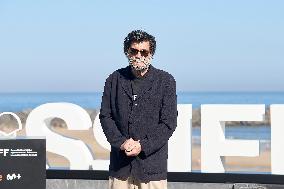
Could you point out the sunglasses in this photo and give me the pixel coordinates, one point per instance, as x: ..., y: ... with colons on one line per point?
x: 134, y: 52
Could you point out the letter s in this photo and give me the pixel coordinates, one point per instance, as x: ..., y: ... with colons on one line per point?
x: 76, y: 118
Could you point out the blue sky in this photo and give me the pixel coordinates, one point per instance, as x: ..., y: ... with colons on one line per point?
x: 62, y: 46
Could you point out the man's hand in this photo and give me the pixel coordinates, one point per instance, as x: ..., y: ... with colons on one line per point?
x: 128, y: 145
x: 135, y: 150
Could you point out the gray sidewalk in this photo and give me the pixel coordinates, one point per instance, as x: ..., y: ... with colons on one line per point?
x: 103, y: 184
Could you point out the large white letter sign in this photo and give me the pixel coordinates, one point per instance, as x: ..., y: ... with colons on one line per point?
x: 100, y: 164
x: 277, y: 138
x: 213, y: 142
x: 76, y: 118
x: 180, y: 142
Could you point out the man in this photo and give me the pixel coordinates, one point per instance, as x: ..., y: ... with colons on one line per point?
x: 138, y: 116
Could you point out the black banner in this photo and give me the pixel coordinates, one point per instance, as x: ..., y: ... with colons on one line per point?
x: 22, y: 163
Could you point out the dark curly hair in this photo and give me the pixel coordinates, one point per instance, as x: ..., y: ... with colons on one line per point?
x: 139, y: 36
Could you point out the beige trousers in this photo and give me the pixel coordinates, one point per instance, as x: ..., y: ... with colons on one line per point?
x: 132, y: 183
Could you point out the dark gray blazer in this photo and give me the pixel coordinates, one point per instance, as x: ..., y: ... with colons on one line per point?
x: 152, y: 119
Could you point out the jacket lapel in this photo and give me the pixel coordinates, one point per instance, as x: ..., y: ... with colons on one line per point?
x: 125, y: 81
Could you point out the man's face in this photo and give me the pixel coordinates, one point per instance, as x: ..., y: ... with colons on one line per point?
x: 139, y: 55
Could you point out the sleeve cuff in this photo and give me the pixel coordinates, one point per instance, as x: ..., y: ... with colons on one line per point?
x: 145, y: 146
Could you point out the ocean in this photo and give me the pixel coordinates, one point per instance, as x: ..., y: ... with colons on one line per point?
x: 20, y: 101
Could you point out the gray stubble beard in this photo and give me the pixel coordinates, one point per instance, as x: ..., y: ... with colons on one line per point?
x: 146, y: 61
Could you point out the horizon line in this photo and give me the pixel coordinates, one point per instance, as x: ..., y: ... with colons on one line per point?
x: 185, y: 91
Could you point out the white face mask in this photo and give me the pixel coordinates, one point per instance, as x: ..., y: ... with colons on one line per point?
x: 145, y: 60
